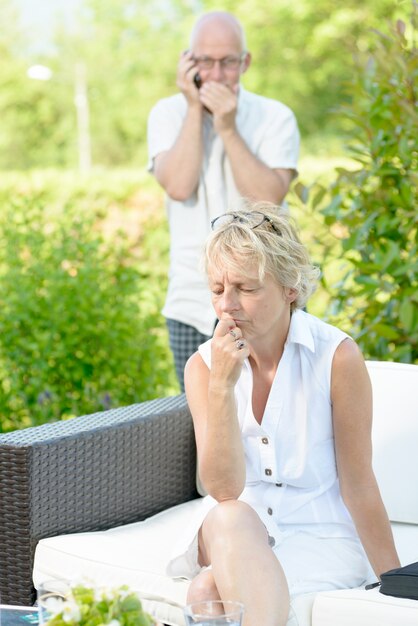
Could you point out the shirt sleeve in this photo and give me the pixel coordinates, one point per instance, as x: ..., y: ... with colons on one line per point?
x: 279, y: 147
x: 164, y: 124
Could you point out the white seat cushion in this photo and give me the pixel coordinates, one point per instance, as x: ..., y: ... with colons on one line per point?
x: 395, y: 437
x: 135, y: 555
x: 357, y: 607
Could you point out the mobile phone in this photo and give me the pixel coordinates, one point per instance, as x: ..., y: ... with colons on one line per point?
x: 197, y: 80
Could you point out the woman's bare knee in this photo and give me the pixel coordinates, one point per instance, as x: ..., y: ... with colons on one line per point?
x: 233, y: 517
x: 228, y: 527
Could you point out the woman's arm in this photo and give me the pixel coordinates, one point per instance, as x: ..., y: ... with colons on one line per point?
x: 351, y: 397
x: 210, y: 394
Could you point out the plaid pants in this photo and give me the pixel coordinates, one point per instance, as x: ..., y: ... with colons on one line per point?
x: 184, y: 341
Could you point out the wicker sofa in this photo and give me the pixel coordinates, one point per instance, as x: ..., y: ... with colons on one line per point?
x: 87, y: 474
x: 61, y: 483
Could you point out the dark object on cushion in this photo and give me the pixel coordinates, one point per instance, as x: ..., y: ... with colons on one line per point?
x: 401, y: 582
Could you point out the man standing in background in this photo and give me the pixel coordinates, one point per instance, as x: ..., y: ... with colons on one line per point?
x: 211, y: 145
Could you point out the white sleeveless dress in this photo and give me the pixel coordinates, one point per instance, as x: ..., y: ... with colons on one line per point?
x: 291, y: 473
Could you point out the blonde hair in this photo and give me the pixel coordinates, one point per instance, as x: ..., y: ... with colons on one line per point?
x: 273, y: 247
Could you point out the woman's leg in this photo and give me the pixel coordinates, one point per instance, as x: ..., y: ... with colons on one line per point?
x: 202, y: 588
x: 235, y: 542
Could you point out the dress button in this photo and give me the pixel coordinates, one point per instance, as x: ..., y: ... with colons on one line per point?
x: 279, y: 484
x: 264, y: 440
x: 270, y: 511
x: 268, y: 472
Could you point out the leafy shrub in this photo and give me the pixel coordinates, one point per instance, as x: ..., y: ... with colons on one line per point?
x: 372, y: 209
x: 80, y: 328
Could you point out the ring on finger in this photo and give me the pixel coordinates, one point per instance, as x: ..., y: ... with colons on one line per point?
x: 240, y: 343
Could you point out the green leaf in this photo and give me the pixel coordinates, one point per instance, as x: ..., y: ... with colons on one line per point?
x: 386, y: 331
x: 408, y: 315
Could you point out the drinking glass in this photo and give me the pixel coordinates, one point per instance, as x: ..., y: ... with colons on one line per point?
x: 51, y: 594
x: 214, y: 613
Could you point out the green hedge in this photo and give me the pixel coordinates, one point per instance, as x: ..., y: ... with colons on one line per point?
x: 80, y: 323
x: 371, y: 209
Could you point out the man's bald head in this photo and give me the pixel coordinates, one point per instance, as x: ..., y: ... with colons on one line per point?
x: 218, y: 24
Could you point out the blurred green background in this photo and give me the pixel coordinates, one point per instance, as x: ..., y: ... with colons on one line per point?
x: 128, y: 49
x: 83, y: 237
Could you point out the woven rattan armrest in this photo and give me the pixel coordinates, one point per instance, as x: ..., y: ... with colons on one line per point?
x: 89, y: 473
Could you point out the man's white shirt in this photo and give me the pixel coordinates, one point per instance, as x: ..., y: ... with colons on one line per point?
x: 270, y: 131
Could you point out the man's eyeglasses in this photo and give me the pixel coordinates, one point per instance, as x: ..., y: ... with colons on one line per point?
x: 253, y: 219
x: 227, y: 63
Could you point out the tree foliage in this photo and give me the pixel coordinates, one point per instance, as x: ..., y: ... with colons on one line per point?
x: 303, y: 51
x: 373, y: 208
x: 301, y: 55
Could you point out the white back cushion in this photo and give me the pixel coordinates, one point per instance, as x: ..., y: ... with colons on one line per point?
x: 395, y: 437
